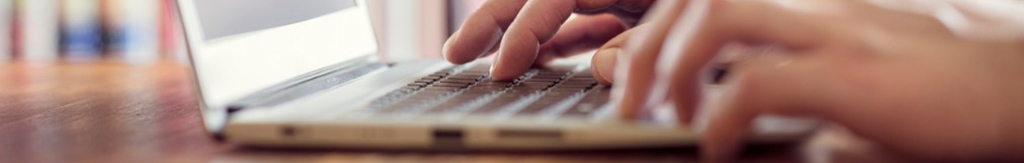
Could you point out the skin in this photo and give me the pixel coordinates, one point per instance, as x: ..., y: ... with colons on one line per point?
x: 523, y: 33
x: 900, y: 76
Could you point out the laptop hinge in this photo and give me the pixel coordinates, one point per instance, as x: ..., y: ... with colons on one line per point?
x: 307, y: 84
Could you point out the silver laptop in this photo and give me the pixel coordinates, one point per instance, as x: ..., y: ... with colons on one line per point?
x: 306, y: 73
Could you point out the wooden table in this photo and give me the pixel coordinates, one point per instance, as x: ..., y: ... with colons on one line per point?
x: 113, y: 112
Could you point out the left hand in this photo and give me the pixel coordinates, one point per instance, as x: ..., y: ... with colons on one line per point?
x: 529, y: 33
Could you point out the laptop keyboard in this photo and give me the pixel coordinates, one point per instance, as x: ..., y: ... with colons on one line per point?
x: 468, y: 90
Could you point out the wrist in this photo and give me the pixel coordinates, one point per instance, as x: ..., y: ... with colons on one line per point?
x: 1016, y: 138
x: 1019, y: 138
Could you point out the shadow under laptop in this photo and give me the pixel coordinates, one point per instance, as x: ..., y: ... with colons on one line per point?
x: 782, y: 152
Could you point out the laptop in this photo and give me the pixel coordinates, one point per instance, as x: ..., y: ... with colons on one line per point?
x: 286, y: 73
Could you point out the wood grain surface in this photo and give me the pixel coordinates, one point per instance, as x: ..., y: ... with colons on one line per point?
x: 114, y: 112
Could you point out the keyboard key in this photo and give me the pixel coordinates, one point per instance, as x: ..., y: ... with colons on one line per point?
x: 469, y: 90
x: 541, y: 104
x: 538, y: 83
x: 452, y: 85
x: 494, y: 106
x: 552, y: 77
x: 590, y: 102
x: 418, y: 84
x: 496, y: 84
x: 435, y: 88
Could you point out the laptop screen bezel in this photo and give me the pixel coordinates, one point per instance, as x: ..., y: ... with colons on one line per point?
x: 215, y: 119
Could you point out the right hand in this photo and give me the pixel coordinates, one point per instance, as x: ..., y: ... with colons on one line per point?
x: 938, y: 80
x: 531, y: 33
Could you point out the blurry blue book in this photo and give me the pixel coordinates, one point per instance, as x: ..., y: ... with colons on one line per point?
x: 80, y: 30
x: 135, y: 30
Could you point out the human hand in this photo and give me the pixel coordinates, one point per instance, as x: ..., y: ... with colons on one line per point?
x: 524, y: 32
x: 905, y: 77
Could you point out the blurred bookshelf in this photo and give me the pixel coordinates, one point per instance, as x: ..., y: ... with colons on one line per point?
x: 86, y: 31
x: 144, y: 31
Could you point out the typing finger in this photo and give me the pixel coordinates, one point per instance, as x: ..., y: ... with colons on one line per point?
x: 636, y: 73
x: 582, y: 33
x: 782, y: 84
x: 536, y: 24
x: 604, y: 60
x: 697, y: 38
x: 778, y: 83
x: 480, y: 33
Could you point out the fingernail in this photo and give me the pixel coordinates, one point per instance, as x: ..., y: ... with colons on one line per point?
x: 445, y: 48
x: 604, y: 64
x: 495, y: 75
x: 444, y: 51
x: 491, y: 70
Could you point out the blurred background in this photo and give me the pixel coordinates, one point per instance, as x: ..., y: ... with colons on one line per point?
x: 141, y: 32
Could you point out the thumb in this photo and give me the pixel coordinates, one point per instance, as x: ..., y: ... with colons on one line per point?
x: 603, y: 62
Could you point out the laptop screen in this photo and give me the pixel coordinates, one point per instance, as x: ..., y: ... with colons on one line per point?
x: 221, y: 18
x: 240, y: 47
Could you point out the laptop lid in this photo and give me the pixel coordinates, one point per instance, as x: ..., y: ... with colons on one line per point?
x: 237, y: 48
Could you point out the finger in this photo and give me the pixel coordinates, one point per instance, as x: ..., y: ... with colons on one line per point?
x: 776, y: 84
x: 635, y: 70
x: 481, y: 31
x: 603, y: 62
x: 704, y: 31
x: 697, y: 37
x: 536, y: 24
x: 582, y: 33
x: 630, y: 11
